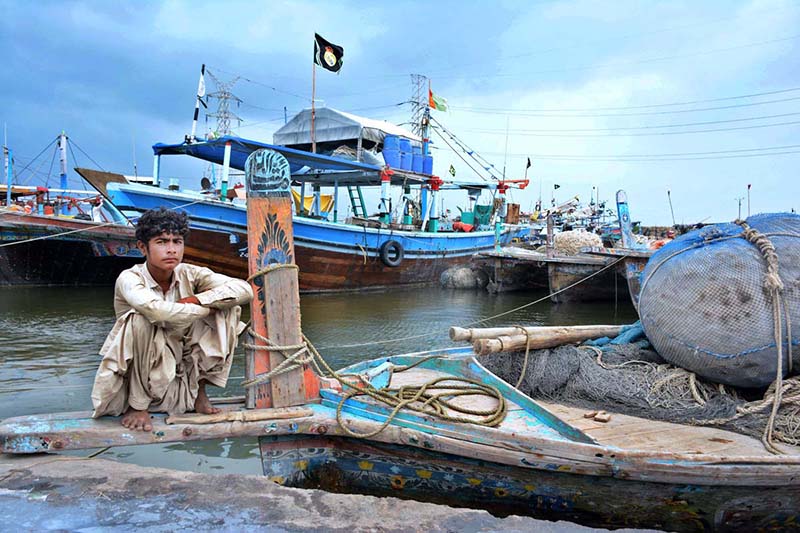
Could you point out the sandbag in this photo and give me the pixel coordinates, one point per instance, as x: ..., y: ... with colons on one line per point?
x: 704, y: 306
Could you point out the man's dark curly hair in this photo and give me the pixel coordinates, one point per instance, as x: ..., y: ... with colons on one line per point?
x: 154, y: 222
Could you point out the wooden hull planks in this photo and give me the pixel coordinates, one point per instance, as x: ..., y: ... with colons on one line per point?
x: 355, y: 466
x: 84, y: 255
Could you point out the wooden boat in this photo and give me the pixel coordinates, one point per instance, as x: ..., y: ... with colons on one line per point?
x: 332, y: 255
x: 544, y: 459
x: 484, y: 444
x: 53, y: 250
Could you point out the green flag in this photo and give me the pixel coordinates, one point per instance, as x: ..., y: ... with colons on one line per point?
x: 452, y: 171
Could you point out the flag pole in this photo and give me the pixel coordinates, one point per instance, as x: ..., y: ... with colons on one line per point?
x: 313, y: 108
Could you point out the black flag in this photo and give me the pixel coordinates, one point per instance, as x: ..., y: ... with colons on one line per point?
x: 327, y: 55
x: 556, y: 186
x: 529, y: 163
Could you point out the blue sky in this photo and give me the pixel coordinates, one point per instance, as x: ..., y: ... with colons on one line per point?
x: 598, y: 94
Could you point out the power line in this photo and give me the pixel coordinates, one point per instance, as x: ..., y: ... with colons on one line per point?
x: 675, y: 156
x: 644, y: 134
x: 626, y: 63
x: 638, y: 114
x: 624, y: 108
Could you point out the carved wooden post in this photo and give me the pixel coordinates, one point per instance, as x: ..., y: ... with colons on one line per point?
x: 275, y: 310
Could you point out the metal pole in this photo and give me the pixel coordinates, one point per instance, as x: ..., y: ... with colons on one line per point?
x: 669, y: 196
x: 226, y: 171
x: 748, y: 200
x: 62, y: 150
x: 313, y: 108
x: 9, y: 174
x: 201, y: 91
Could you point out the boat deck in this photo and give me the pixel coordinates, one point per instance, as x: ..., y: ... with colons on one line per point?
x: 634, y: 433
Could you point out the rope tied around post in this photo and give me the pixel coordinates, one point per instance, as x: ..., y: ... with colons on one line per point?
x: 433, y: 398
x: 774, y: 286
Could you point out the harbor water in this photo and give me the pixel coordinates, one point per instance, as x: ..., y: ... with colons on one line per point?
x: 50, y: 339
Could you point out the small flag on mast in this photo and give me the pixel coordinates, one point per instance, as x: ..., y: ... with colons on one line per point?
x: 556, y: 186
x: 529, y: 164
x: 327, y: 55
x: 436, y: 102
x: 452, y: 171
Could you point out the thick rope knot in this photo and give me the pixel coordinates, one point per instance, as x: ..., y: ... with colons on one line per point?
x: 772, y: 280
x: 774, y: 284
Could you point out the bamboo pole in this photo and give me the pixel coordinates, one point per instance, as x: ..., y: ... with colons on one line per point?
x: 591, y: 332
x: 538, y: 340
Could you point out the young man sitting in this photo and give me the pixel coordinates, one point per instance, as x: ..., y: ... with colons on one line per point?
x: 177, y: 327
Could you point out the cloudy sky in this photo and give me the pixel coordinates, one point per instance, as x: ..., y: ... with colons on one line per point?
x: 699, y: 98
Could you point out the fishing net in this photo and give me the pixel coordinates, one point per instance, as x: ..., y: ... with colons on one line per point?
x: 571, y: 242
x: 633, y: 379
x: 707, y: 299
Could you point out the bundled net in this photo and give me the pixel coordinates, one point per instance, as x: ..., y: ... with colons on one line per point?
x: 634, y: 380
x: 714, y: 300
x: 571, y: 242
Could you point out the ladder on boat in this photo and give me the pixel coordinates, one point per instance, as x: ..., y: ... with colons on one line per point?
x: 356, y: 201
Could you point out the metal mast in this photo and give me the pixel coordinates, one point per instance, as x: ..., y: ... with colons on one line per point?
x: 225, y: 96
x: 419, y: 102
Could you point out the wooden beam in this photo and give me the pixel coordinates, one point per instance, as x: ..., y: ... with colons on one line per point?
x: 275, y: 310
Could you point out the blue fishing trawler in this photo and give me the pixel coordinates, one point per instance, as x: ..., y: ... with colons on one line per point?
x: 361, y: 252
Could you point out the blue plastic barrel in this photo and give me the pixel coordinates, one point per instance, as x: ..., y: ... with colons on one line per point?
x: 416, y: 162
x: 391, y: 142
x: 427, y: 164
x: 405, y: 160
x: 392, y: 157
x: 405, y: 144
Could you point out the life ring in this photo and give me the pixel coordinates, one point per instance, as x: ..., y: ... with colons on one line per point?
x: 392, y: 253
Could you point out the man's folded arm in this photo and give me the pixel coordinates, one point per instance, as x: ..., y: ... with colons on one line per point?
x: 220, y: 291
x: 156, y: 310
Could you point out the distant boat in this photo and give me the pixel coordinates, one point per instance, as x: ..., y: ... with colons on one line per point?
x: 48, y: 235
x: 362, y: 253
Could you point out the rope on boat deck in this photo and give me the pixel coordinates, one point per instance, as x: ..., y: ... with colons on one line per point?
x: 433, y: 398
x: 781, y: 392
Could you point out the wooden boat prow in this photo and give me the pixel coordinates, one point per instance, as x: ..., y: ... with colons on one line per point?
x: 548, y: 447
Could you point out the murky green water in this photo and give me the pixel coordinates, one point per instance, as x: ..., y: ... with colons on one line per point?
x: 50, y: 337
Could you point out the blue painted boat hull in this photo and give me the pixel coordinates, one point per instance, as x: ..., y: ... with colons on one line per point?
x: 331, y: 256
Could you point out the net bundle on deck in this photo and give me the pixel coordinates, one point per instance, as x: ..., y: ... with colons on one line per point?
x: 634, y: 380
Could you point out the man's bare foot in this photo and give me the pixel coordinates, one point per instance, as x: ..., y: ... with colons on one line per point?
x: 137, y: 420
x: 202, y: 404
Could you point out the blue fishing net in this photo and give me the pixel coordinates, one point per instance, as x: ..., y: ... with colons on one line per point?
x: 704, y: 307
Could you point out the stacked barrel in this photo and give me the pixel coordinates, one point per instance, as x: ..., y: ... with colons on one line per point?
x: 402, y: 154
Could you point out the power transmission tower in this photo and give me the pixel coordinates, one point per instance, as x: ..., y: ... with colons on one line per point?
x: 419, y: 100
x: 225, y: 96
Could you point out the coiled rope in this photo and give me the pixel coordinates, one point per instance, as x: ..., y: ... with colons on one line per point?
x: 433, y: 398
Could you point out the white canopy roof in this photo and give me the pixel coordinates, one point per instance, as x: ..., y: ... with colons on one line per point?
x: 333, y: 125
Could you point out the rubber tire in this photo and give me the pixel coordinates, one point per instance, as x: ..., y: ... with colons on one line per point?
x: 392, y: 253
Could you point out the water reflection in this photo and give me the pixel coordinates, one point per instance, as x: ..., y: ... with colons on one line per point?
x: 50, y: 339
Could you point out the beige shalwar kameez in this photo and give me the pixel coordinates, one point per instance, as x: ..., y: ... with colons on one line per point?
x: 159, y: 350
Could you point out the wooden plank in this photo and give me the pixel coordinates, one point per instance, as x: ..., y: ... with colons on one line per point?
x: 633, y: 433
x: 275, y: 310
x: 253, y: 415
